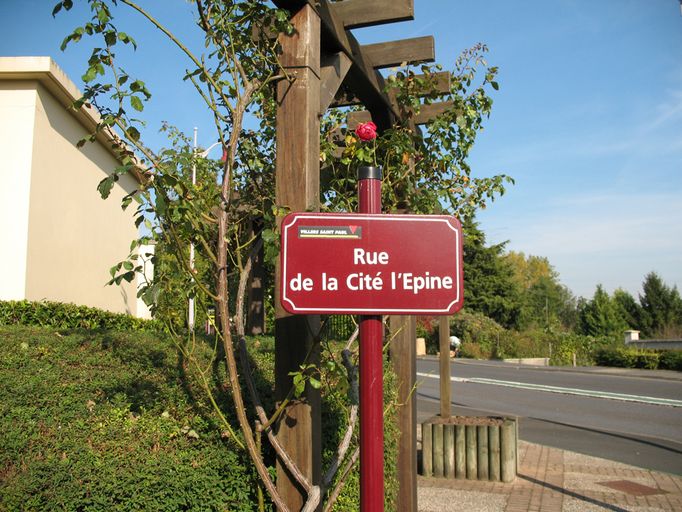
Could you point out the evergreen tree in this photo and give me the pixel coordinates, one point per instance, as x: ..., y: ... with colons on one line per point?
x: 489, y: 286
x: 661, y: 307
x: 601, y: 316
x: 628, y: 307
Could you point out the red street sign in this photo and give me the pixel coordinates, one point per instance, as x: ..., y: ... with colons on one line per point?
x: 370, y: 264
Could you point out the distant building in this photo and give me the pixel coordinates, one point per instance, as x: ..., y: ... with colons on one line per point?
x: 58, y: 237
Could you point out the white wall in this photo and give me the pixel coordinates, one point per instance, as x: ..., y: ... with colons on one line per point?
x: 17, y: 116
x: 75, y: 236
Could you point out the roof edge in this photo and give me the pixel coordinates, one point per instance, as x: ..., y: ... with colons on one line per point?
x: 46, y: 71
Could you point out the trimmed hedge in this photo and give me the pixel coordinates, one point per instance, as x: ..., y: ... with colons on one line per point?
x: 69, y: 316
x: 622, y: 357
x: 112, y: 420
x: 670, y: 360
x: 108, y: 420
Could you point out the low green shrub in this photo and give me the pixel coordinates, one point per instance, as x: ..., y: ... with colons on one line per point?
x: 647, y: 360
x: 670, y: 360
x: 470, y: 350
x: 114, y: 420
x: 565, y: 345
x: 623, y: 357
x: 69, y: 316
x: 616, y: 357
x: 108, y: 420
x: 474, y: 328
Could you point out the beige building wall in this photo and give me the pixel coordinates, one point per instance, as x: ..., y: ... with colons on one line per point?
x: 17, y: 107
x: 72, y: 236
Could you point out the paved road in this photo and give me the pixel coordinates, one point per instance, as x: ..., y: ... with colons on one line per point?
x: 633, y: 417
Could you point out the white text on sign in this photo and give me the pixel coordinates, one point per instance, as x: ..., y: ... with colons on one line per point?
x: 369, y: 281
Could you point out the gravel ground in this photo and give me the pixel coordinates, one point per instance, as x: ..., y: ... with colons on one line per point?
x: 433, y: 499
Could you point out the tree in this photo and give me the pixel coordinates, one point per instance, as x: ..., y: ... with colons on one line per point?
x: 628, y: 308
x: 489, y: 285
x: 546, y: 302
x: 661, y: 307
x: 601, y: 316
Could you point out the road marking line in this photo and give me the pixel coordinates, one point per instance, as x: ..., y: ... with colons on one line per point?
x: 565, y: 391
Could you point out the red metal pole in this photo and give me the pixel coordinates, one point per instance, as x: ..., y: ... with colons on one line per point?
x: 371, y: 373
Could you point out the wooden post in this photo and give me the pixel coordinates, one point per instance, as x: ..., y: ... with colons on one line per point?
x: 255, y: 312
x: 438, y: 450
x: 482, y: 451
x: 494, y: 452
x: 403, y: 359
x: 427, y: 449
x: 449, y: 450
x: 444, y: 344
x: 508, y: 450
x: 471, y: 458
x: 460, y: 451
x: 297, y: 187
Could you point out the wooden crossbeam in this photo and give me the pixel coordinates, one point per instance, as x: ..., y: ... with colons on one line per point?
x: 362, y: 77
x: 353, y: 119
x: 440, y: 86
x: 401, y: 52
x: 427, y: 113
x: 333, y: 70
x: 364, y: 13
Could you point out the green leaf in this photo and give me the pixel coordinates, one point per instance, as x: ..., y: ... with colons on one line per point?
x: 90, y: 74
x: 105, y: 186
x: 125, y: 202
x: 79, y: 103
x: 495, y: 85
x: 110, y: 38
x: 66, y: 4
x: 126, y: 39
x: 102, y: 16
x: 268, y: 235
x: 133, y: 133
x: 136, y: 103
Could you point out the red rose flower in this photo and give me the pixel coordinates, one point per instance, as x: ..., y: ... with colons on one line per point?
x: 366, y: 131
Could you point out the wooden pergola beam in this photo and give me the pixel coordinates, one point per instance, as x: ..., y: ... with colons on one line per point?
x: 427, y: 113
x: 363, y: 13
x: 440, y: 86
x: 333, y: 70
x: 401, y: 52
x: 362, y: 77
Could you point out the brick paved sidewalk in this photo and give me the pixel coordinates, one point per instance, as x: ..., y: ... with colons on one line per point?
x: 550, y: 480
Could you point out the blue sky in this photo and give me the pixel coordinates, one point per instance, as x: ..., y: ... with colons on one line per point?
x: 588, y: 119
